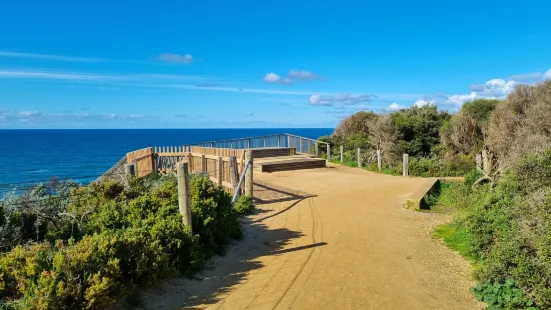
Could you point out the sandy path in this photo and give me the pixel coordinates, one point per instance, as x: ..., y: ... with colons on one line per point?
x: 336, y: 238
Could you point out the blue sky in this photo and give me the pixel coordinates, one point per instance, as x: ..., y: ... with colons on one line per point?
x: 212, y: 64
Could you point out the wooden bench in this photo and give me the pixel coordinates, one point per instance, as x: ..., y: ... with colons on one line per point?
x: 418, y: 199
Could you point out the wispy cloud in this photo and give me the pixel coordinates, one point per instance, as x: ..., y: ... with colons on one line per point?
x: 301, y: 75
x: 80, y: 76
x: 37, y: 116
x: 292, y: 76
x: 71, y: 76
x: 273, y: 78
x: 48, y: 57
x: 526, y: 77
x: 343, y: 99
x: 176, y: 58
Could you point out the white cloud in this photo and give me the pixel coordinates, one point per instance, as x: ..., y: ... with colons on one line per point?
x: 493, y: 89
x: 273, y: 78
x: 303, y: 75
x: 186, y: 59
x: 422, y: 103
x: 547, y: 75
x: 395, y: 107
x: 47, y: 57
x: 343, y: 99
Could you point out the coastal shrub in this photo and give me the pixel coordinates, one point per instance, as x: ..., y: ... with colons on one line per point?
x: 244, y: 205
x: 503, y: 296
x: 418, y: 129
x: 126, y: 236
x: 509, y: 229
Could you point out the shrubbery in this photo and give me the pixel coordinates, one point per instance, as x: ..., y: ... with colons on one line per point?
x: 105, y: 238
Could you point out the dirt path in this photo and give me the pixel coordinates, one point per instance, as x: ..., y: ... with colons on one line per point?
x: 336, y: 238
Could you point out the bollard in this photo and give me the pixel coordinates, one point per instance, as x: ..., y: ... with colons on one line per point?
x: 359, y: 158
x: 379, y: 160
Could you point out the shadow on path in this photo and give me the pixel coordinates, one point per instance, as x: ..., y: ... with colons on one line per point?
x: 226, y: 273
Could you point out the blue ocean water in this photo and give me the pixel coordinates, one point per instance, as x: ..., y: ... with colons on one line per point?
x: 32, y: 156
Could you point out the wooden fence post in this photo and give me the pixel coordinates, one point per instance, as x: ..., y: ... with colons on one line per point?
x: 405, y: 165
x: 219, y: 172
x: 342, y: 151
x: 233, y: 172
x: 379, y: 160
x: 184, y: 201
x: 249, y: 174
x: 359, y: 158
x: 479, y: 162
x: 129, y: 170
x: 328, y: 152
x: 203, y: 163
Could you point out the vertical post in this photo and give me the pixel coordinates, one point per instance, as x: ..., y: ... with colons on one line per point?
x: 328, y: 152
x: 219, y: 172
x: 264, y: 141
x: 288, y: 141
x: 379, y: 160
x: 184, y: 201
x: 359, y: 158
x: 278, y: 140
x: 249, y: 174
x: 342, y: 155
x: 317, y: 149
x: 233, y: 174
x: 249, y: 143
x: 479, y: 162
x: 203, y: 163
x: 485, y: 162
x: 129, y: 170
x: 212, y: 144
x: 405, y: 165
x: 300, y: 144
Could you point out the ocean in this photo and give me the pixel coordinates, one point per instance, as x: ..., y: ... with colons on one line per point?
x: 37, y: 156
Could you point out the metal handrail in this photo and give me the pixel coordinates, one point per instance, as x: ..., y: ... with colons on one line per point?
x: 258, y: 137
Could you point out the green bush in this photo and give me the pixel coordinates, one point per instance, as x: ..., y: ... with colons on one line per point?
x: 244, y: 205
x: 509, y: 229
x: 503, y: 296
x: 122, y: 236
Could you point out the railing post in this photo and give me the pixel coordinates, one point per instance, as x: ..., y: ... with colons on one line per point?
x: 342, y: 151
x: 328, y: 152
x: 184, y: 201
x: 288, y: 141
x: 264, y: 141
x: 379, y: 160
x: 300, y: 144
x: 278, y: 140
x: 249, y: 143
x: 405, y: 165
x: 359, y: 158
x: 219, y: 172
x: 249, y: 174
x: 317, y: 149
x: 212, y: 144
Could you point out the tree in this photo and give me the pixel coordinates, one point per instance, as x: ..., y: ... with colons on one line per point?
x: 418, y: 129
